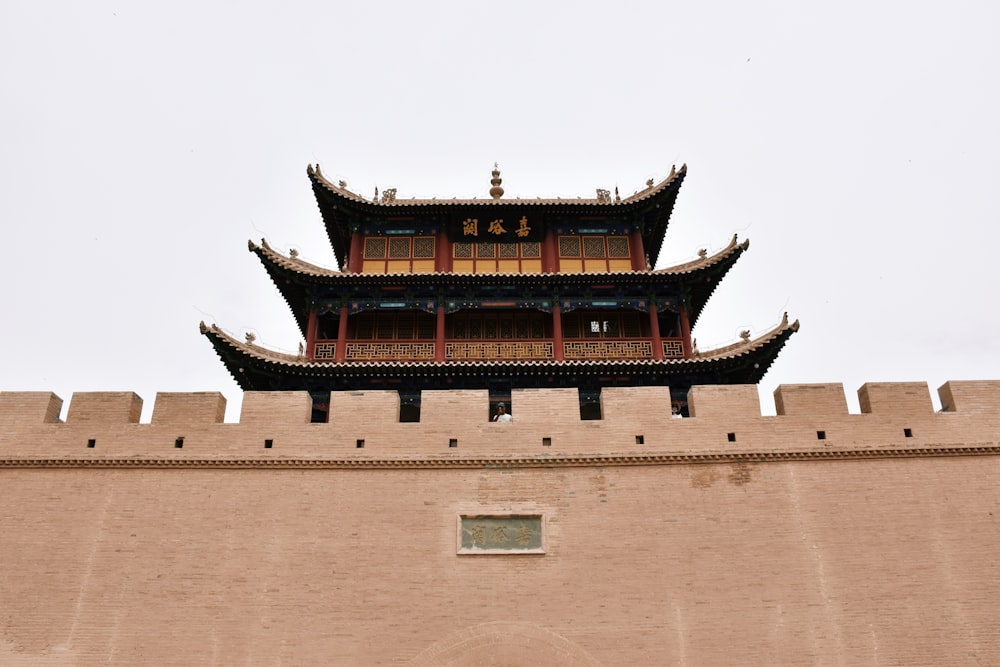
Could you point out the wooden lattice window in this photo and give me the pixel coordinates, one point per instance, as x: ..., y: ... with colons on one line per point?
x: 497, y: 258
x: 594, y: 253
x: 569, y: 246
x: 593, y: 246
x: 399, y: 247
x: 618, y: 246
x: 398, y: 254
x: 423, y: 247
x: 374, y: 247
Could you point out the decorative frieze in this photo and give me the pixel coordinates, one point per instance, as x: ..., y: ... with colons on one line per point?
x: 608, y: 349
x: 389, y: 351
x: 673, y: 348
x: 489, y: 350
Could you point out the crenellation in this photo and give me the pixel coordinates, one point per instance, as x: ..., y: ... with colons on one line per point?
x: 360, y: 410
x: 104, y: 407
x: 547, y: 423
x: 40, y: 407
x: 207, y: 407
x: 898, y: 398
x: 276, y: 407
x: 970, y: 396
x: 639, y: 404
x: 458, y: 407
x: 810, y: 399
x: 542, y: 407
x: 737, y: 400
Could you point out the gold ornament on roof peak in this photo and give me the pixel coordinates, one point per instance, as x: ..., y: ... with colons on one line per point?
x: 496, y: 191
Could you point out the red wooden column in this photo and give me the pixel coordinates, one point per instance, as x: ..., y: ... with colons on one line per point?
x: 341, y: 353
x: 311, y: 328
x: 654, y: 331
x: 442, y: 251
x: 549, y: 253
x: 557, y: 335
x: 355, y: 257
x: 636, y: 250
x: 439, y: 335
x: 686, y: 332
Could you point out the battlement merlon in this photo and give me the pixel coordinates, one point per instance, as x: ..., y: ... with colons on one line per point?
x: 812, y: 421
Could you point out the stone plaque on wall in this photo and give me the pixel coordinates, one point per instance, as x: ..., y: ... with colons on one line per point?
x: 501, y: 534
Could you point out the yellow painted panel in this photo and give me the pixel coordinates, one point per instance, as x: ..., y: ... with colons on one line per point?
x: 377, y: 266
x: 570, y: 265
x: 620, y: 264
x: 509, y: 266
x: 596, y: 266
x: 486, y: 266
x: 423, y: 266
x: 462, y: 266
x: 531, y: 266
x: 399, y: 266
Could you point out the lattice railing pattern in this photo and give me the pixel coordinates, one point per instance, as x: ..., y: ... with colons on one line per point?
x: 389, y: 351
x: 608, y: 349
x: 489, y: 350
x: 325, y: 351
x: 673, y: 348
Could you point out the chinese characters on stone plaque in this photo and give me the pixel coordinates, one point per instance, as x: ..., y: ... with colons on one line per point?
x: 501, y: 534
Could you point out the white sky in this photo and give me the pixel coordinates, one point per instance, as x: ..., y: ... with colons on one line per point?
x: 855, y: 143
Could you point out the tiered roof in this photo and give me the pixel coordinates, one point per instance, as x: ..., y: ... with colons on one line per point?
x: 308, y: 288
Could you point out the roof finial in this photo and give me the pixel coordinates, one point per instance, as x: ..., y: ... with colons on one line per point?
x: 496, y: 191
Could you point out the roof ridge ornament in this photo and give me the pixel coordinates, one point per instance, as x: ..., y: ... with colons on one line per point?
x: 496, y: 191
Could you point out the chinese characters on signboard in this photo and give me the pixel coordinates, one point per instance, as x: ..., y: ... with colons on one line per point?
x: 500, y: 227
x: 470, y: 228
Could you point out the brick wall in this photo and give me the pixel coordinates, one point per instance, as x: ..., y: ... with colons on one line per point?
x: 724, y: 538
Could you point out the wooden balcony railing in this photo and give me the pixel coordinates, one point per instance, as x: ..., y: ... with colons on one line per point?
x: 493, y: 350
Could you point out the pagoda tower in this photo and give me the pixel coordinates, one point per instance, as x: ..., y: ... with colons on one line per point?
x: 497, y: 294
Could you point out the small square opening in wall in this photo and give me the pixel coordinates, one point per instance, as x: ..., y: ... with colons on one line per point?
x: 453, y: 442
x: 546, y: 442
x: 907, y: 433
x: 821, y: 435
x: 178, y: 443
x: 360, y: 443
x: 91, y: 443
x: 640, y: 440
x: 268, y: 443
x: 731, y: 437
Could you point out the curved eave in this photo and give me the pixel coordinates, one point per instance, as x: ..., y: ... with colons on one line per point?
x: 339, y: 206
x: 294, y: 277
x: 745, y: 362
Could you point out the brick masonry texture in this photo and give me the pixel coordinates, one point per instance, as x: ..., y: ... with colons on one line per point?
x: 866, y: 547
